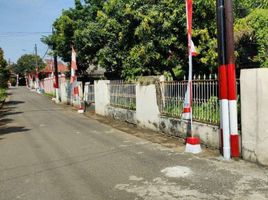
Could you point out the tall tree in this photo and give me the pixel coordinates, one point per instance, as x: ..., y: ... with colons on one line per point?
x: 4, y: 72
x: 252, y: 39
x: 141, y: 37
x: 27, y: 64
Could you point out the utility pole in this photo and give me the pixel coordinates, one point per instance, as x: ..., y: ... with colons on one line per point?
x: 37, y: 69
x: 223, y: 81
x: 231, y: 73
x: 55, y: 56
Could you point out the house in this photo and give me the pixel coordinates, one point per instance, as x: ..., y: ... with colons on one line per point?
x: 48, y: 71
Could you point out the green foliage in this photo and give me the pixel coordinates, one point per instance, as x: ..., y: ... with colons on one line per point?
x: 4, y: 72
x: 208, y: 111
x: 27, y: 63
x: 252, y: 39
x: 3, y: 94
x: 143, y: 37
x: 50, y: 95
x: 123, y: 102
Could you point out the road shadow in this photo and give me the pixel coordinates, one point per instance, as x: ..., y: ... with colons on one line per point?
x: 5, y: 121
x: 8, y: 107
x: 9, y: 113
x: 14, y: 103
x: 14, y: 129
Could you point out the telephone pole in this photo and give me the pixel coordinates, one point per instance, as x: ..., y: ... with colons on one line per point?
x: 231, y: 73
x: 223, y: 81
x: 56, y: 74
x: 36, y: 68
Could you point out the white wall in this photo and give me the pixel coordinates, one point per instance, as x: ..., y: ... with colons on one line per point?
x: 254, y: 110
x: 147, y: 111
x: 102, y: 97
x: 147, y: 114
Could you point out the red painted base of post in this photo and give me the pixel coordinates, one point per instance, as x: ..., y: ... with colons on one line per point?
x: 193, y: 145
x: 235, y: 151
x: 192, y: 140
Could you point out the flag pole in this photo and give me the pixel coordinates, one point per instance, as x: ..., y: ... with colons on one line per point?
x: 74, y: 81
x: 192, y: 142
x: 190, y: 84
x: 190, y: 57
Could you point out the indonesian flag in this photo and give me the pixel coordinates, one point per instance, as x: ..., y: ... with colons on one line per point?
x: 75, y: 90
x: 193, y: 49
x: 187, y: 105
x: 73, y: 66
x: 189, y: 15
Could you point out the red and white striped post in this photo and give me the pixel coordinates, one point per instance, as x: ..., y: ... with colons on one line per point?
x: 232, y: 93
x: 223, y: 81
x: 56, y: 75
x: 74, y: 82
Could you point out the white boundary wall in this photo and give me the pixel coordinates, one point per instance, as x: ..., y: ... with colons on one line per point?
x: 147, y: 114
x: 254, y: 111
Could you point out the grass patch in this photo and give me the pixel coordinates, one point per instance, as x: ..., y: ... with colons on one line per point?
x: 207, y: 112
x: 3, y: 94
x: 50, y: 95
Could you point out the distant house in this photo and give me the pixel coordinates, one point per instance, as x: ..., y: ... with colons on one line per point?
x: 96, y: 72
x: 49, y: 68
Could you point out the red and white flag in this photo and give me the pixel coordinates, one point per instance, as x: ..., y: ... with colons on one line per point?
x: 193, y: 49
x: 187, y: 105
x: 73, y: 66
x: 75, y: 91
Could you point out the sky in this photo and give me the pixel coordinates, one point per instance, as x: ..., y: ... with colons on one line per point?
x: 24, y: 22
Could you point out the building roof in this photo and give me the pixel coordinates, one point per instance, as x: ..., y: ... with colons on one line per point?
x: 49, y: 68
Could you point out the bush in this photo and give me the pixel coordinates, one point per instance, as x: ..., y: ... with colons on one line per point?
x: 3, y: 94
x: 208, y: 112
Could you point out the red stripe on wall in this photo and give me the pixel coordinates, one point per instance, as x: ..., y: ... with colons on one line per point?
x: 223, y: 82
x: 231, y: 82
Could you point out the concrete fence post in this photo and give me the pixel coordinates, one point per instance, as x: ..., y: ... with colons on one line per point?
x: 102, y: 97
x: 254, y: 115
x: 147, y: 111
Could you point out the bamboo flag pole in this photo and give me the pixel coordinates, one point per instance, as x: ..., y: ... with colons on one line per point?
x: 192, y: 143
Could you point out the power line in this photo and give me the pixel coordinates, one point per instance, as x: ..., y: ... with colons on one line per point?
x: 22, y: 34
x: 27, y: 32
x: 45, y: 53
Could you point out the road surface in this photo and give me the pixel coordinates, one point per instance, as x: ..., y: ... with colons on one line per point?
x: 48, y: 152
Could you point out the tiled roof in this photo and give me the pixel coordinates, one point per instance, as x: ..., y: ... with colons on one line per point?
x: 49, y: 68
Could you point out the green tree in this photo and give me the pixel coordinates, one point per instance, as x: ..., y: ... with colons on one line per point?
x: 27, y: 64
x: 4, y: 72
x: 146, y: 37
x: 252, y: 39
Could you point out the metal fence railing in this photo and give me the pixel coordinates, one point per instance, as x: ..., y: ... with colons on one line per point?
x: 123, y: 95
x: 205, y: 99
x: 89, y: 93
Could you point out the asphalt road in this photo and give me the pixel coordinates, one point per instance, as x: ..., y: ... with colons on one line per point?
x: 48, y: 152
